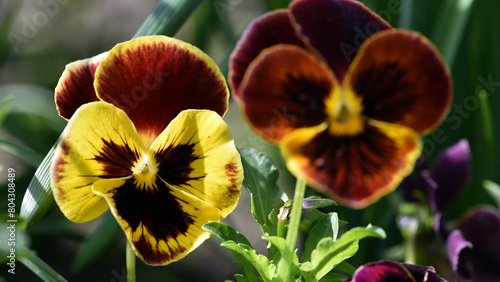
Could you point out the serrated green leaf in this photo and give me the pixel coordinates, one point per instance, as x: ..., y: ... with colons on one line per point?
x: 260, y: 175
x: 285, y: 256
x: 38, y: 197
x: 329, y: 253
x: 326, y: 226
x: 224, y: 233
x: 241, y: 278
x: 494, y: 190
x: 261, y: 263
x: 168, y: 17
x: 101, y: 240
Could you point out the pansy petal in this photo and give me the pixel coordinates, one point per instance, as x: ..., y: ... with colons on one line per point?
x: 423, y: 273
x: 270, y: 29
x: 196, y: 155
x: 99, y: 142
x: 162, y: 223
x: 451, y: 173
x: 481, y: 227
x: 382, y: 271
x: 353, y: 170
x: 284, y: 90
x: 76, y: 85
x: 336, y: 28
x: 455, y: 244
x: 412, y: 90
x: 154, y: 78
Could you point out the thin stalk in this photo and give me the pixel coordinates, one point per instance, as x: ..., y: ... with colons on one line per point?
x: 293, y: 228
x: 130, y: 257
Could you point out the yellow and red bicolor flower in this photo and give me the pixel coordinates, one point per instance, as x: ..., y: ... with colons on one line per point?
x: 146, y: 138
x: 343, y: 94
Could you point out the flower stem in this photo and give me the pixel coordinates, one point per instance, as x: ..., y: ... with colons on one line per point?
x: 293, y: 228
x: 130, y: 254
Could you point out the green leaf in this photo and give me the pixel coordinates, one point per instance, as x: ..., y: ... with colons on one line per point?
x: 168, y: 17
x: 38, y: 197
x: 5, y: 105
x: 226, y: 233
x: 333, y: 277
x: 39, y: 267
x: 450, y: 27
x: 260, y: 175
x: 31, y: 157
x: 101, y: 240
x: 346, y: 268
x: 494, y: 190
x: 327, y: 226
x: 285, y: 256
x: 329, y: 253
x: 261, y: 263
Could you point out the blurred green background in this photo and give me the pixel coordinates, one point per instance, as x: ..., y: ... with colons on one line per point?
x: 38, y: 38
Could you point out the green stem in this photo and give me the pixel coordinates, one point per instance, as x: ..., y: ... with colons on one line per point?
x: 293, y: 228
x: 411, y: 243
x: 130, y: 256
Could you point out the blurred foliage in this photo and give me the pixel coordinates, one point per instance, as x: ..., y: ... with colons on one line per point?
x: 37, y: 40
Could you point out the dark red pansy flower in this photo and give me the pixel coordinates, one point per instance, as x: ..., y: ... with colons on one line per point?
x: 343, y: 94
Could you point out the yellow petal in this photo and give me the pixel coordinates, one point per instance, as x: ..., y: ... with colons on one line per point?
x: 100, y: 142
x: 162, y: 223
x: 355, y: 170
x: 196, y: 155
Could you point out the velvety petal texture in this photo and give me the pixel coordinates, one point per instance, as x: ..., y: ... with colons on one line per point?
x: 150, y: 144
x: 285, y: 90
x: 336, y: 29
x: 154, y: 78
x: 480, y: 227
x: 414, y: 91
x: 383, y: 271
x: 99, y: 142
x: 354, y: 171
x: 347, y: 106
x: 270, y: 29
x: 76, y: 85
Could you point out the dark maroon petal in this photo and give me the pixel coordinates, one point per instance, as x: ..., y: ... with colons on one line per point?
x: 76, y: 86
x: 284, y: 90
x: 270, y: 29
x: 383, y: 271
x: 336, y: 28
x: 411, y: 90
x: 481, y: 227
x: 451, y: 173
x: 423, y: 273
x: 154, y: 78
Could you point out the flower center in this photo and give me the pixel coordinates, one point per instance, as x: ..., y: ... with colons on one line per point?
x: 344, y: 112
x: 145, y: 173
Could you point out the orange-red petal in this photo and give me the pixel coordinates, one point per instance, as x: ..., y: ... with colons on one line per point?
x: 336, y: 28
x: 154, y: 78
x: 76, y: 85
x: 268, y: 30
x: 354, y: 170
x: 284, y: 90
x: 402, y: 80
